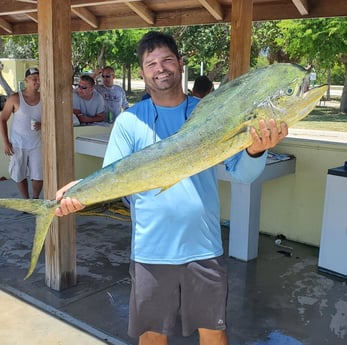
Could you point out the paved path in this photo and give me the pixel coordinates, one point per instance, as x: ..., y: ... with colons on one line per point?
x: 22, y: 323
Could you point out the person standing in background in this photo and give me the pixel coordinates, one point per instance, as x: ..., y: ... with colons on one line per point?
x: 88, y: 105
x: 24, y: 143
x: 313, y: 77
x: 202, y: 86
x: 114, y: 95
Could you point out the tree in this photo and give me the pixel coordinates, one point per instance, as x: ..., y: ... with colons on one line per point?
x: 264, y: 43
x: 343, y: 106
x: 92, y: 49
x: 321, y: 42
x: 106, y: 48
x: 19, y: 47
x: 207, y: 44
x: 126, y: 54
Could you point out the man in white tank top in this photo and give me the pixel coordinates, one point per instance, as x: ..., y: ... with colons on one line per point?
x: 23, y: 145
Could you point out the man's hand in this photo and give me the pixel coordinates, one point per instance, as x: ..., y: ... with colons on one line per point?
x: 8, y: 149
x: 67, y: 205
x: 269, y: 136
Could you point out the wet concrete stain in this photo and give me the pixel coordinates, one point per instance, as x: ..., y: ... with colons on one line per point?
x: 274, y: 299
x: 277, y: 338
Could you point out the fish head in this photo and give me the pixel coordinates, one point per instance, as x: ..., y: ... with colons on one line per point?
x: 287, y: 96
x: 278, y: 92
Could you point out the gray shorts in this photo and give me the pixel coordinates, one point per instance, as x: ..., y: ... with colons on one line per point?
x: 194, y: 293
x: 24, y: 163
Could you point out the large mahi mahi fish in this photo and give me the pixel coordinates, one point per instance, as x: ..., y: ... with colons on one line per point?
x: 217, y: 129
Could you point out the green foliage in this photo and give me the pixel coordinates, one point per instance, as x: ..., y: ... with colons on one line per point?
x: 116, y: 48
x: 19, y: 47
x: 309, y: 41
x: 265, y: 36
x: 337, y: 74
x: 126, y: 42
x: 262, y: 61
x: 207, y: 44
x: 83, y: 56
x: 319, y: 41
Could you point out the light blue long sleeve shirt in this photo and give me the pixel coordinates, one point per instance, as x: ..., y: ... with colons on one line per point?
x: 182, y: 223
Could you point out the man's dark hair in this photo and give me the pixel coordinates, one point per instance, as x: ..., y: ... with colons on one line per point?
x: 156, y: 39
x: 202, y: 85
x: 88, y: 79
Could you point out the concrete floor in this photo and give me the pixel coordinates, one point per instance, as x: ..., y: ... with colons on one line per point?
x: 273, y: 300
x: 36, y: 326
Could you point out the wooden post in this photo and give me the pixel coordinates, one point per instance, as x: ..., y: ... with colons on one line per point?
x: 241, y: 32
x: 54, y: 29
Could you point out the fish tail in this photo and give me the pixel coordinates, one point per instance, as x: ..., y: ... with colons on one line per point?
x: 43, y: 222
x: 45, y: 212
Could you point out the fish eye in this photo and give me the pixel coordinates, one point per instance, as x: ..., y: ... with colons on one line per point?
x: 289, y: 91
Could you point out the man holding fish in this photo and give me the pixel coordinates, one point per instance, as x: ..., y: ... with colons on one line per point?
x: 177, y: 266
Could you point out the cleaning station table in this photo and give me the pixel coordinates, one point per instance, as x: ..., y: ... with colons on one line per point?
x: 245, y: 197
x: 245, y: 206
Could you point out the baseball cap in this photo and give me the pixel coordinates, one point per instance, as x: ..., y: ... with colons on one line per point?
x: 31, y: 71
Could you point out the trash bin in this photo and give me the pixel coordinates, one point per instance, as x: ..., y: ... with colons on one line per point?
x: 333, y: 244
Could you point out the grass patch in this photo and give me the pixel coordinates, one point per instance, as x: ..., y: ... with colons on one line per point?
x: 325, y: 118
x: 326, y: 114
x: 134, y: 96
x: 322, y: 126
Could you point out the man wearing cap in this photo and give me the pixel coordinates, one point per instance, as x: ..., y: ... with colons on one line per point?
x: 23, y: 145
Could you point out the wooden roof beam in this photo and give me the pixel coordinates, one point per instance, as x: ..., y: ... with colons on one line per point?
x: 142, y: 11
x: 6, y: 26
x: 32, y: 16
x: 86, y: 16
x: 302, y: 6
x: 9, y: 7
x: 30, y: 1
x: 84, y: 3
x: 214, y: 8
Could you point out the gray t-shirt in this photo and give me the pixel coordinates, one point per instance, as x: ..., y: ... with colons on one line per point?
x: 89, y: 107
x: 114, y: 97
